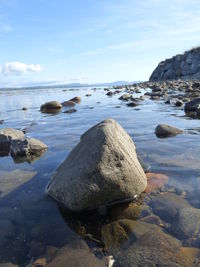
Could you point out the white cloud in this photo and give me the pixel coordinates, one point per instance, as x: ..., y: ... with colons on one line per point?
x: 17, y: 68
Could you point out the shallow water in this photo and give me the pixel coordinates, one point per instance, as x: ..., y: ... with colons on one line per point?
x: 36, y: 220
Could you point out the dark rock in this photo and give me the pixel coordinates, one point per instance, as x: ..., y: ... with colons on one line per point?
x: 27, y: 147
x: 192, y: 105
x: 132, y: 104
x: 6, y: 136
x: 51, y: 107
x: 164, y: 130
x: 179, y: 103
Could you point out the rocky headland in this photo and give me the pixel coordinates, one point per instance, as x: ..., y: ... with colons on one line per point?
x: 183, y: 66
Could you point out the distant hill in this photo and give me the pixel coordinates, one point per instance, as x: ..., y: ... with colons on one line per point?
x: 184, y: 66
x: 69, y: 85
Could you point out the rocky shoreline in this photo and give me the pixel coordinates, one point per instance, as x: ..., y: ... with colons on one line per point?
x: 161, y: 225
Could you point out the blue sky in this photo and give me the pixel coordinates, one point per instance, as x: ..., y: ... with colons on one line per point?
x: 63, y: 41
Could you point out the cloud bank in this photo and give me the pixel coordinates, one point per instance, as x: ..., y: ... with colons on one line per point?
x: 18, y: 68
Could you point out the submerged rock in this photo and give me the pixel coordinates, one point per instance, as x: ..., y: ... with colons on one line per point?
x: 72, y: 110
x: 164, y: 130
x: 51, y: 107
x: 154, y: 248
x: 6, y: 136
x: 167, y: 206
x: 75, y: 258
x: 11, y: 180
x: 187, y: 223
x: 155, y: 181
x: 103, y: 168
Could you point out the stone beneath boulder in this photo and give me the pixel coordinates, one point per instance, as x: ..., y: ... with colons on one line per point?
x: 154, y: 248
x: 6, y: 136
x: 118, y: 233
x: 27, y: 147
x: 164, y: 130
x: 51, y: 107
x: 102, y: 169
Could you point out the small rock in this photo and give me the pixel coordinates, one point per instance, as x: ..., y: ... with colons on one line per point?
x: 164, y: 130
x: 6, y: 136
x: 27, y: 147
x: 125, y: 97
x: 88, y: 95
x: 76, y: 99
x: 68, y: 104
x: 51, y: 107
x: 132, y: 104
x: 179, y: 103
x: 1, y: 121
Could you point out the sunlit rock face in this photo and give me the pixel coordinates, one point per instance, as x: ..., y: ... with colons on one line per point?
x: 103, y: 168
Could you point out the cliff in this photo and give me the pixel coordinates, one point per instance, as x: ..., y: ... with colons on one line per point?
x: 185, y: 66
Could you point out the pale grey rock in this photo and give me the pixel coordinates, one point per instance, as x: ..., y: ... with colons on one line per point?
x: 101, y: 169
x: 164, y: 130
x: 6, y: 136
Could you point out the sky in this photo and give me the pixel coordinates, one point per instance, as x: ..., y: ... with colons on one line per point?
x: 90, y: 41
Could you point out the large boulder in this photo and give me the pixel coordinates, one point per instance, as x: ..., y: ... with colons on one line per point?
x: 6, y: 136
x: 101, y: 169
